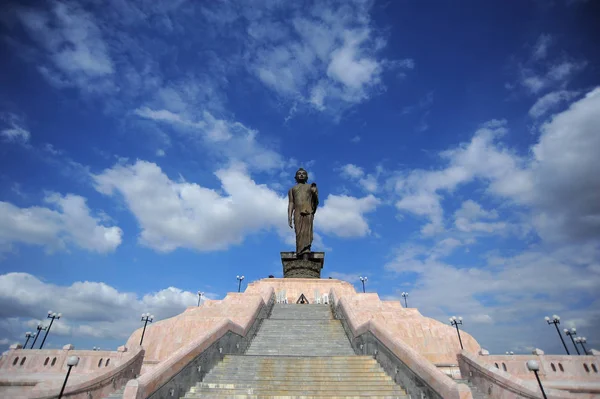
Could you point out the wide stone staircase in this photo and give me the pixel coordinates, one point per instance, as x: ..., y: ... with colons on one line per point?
x: 300, y: 351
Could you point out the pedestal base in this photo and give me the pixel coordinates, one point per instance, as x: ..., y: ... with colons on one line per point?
x: 306, y: 266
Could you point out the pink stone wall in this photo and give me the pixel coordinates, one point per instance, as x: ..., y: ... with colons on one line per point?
x: 295, y: 287
x: 173, y: 343
x: 436, y: 341
x: 36, y: 379
x: 41, y: 361
x: 573, y: 366
x: 165, y: 337
x: 519, y: 382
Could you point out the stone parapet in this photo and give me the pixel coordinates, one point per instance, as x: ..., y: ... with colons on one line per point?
x: 563, y: 368
x: 42, y: 373
x: 419, y: 368
x: 499, y: 384
x: 165, y: 337
x: 238, y: 314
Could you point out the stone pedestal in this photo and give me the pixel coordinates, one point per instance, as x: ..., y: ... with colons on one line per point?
x: 306, y: 266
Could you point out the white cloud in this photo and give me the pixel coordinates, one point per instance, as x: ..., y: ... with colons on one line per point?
x: 540, y: 49
x: 352, y: 171
x: 90, y: 309
x: 229, y: 140
x: 16, y: 134
x: 349, y: 68
x: 325, y: 56
x: 344, y: 216
x: 557, y: 74
x: 520, y: 288
x: 557, y: 182
x: 355, y: 139
x: 550, y: 101
x: 14, y: 130
x: 69, y: 223
x: 369, y: 182
x: 467, y: 219
x: 567, y: 188
x: 181, y: 214
x: 71, y: 40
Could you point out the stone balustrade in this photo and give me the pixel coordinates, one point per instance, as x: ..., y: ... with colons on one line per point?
x: 39, y: 374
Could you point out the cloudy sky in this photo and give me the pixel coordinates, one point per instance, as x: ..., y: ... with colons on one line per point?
x: 146, y: 149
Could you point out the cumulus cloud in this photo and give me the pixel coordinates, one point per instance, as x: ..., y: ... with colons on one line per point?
x: 16, y: 134
x: 325, y: 56
x: 67, y: 222
x: 368, y: 181
x: 344, y: 216
x: 540, y: 49
x: 421, y: 191
x: 181, y: 214
x: 519, y: 288
x: 89, y: 309
x: 566, y: 187
x: 556, y: 182
x: 229, y: 140
x: 73, y: 50
x: 352, y: 171
x: 557, y: 74
x: 468, y: 218
x: 549, y: 101
x: 14, y: 131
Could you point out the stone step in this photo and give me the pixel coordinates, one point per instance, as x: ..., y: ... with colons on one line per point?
x: 242, y: 378
x: 292, y: 371
x: 341, y: 342
x: 293, y: 360
x: 118, y: 394
x: 298, y: 392
x: 285, y: 312
x: 217, y: 395
x: 292, y: 385
x: 299, y: 352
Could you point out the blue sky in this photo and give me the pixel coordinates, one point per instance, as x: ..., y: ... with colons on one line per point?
x: 146, y: 149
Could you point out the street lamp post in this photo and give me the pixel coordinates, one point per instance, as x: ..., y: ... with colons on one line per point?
x: 570, y: 334
x: 39, y: 328
x: 405, y: 295
x: 146, y: 318
x: 363, y: 280
x: 455, y: 322
x: 532, y: 365
x: 71, y: 361
x: 200, y: 294
x: 239, y: 279
x: 28, y: 335
x: 582, y: 341
x: 556, y: 321
x: 52, y: 316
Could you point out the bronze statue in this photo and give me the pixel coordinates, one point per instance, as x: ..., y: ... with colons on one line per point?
x: 303, y: 202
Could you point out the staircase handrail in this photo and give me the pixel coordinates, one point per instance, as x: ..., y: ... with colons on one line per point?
x: 419, y: 365
x: 157, y: 377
